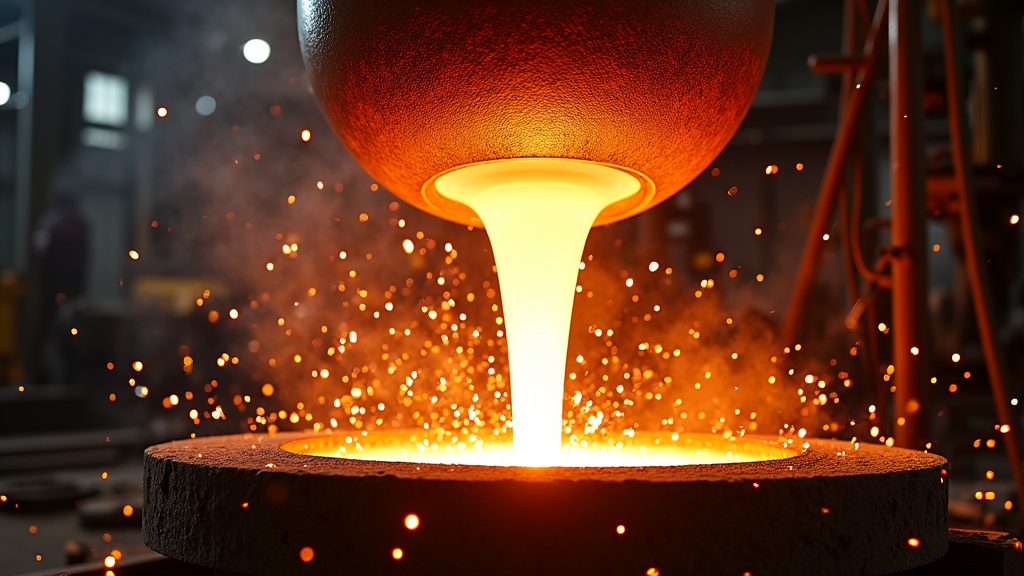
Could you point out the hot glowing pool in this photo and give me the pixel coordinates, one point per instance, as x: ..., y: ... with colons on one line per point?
x: 642, y: 449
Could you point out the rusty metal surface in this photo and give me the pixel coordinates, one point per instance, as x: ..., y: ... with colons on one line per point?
x: 831, y: 510
x: 414, y: 88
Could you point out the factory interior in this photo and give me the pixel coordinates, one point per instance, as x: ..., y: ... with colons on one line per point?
x: 188, y: 249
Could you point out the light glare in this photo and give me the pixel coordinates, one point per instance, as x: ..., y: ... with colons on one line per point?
x: 205, y: 105
x: 256, y: 51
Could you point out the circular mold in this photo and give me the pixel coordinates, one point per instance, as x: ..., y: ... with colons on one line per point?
x: 243, y: 504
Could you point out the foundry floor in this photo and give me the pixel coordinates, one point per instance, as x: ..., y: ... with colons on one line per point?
x: 40, y: 539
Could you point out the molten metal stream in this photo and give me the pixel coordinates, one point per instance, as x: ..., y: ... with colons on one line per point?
x: 538, y: 213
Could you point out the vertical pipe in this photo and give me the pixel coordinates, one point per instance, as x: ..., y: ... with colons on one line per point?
x: 906, y: 149
x: 23, y: 217
x: 834, y: 172
x: 980, y: 289
x: 850, y: 39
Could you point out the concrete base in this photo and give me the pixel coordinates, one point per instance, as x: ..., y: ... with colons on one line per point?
x: 242, y: 504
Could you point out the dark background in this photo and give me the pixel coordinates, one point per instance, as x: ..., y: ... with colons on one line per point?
x: 200, y: 197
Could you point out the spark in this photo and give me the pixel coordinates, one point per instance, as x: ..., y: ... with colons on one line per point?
x: 412, y: 521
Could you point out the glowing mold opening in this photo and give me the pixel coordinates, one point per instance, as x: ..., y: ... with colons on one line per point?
x: 639, y: 449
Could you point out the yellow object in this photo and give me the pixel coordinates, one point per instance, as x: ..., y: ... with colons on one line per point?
x: 538, y: 213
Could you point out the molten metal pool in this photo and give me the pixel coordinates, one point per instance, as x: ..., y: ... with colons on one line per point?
x: 640, y: 449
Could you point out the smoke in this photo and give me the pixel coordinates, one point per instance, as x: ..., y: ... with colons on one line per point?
x: 661, y: 352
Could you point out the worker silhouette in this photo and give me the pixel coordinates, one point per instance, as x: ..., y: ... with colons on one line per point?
x: 61, y: 244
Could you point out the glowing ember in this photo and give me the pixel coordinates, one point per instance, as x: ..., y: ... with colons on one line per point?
x: 412, y: 522
x: 538, y: 213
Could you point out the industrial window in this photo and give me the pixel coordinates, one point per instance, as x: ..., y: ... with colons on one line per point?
x: 105, y: 99
x: 104, y: 103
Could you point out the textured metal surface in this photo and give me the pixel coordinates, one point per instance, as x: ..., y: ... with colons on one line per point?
x: 832, y: 510
x: 414, y: 88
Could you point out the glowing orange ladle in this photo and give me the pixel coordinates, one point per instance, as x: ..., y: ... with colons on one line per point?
x: 416, y: 88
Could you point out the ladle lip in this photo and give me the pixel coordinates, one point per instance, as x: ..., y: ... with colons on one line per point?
x: 459, y: 212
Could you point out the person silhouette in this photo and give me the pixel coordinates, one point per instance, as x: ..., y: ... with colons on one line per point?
x: 61, y: 244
